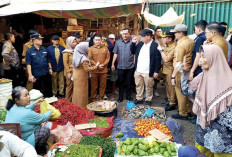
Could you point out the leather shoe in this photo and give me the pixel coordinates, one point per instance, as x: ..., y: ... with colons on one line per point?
x: 178, y: 116
x: 120, y: 99
x: 129, y: 98
x: 170, y: 107
x: 148, y: 103
x: 138, y: 101
x: 165, y: 103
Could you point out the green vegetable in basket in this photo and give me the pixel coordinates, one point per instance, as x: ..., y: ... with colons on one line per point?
x: 151, y: 151
x: 142, y: 153
x: 128, y: 141
x: 100, y: 122
x: 143, y: 147
x: 2, y: 115
x: 135, y: 151
x: 156, y: 144
x: 163, y: 145
x: 173, y: 154
x: 162, y: 150
x: 173, y: 147
x: 130, y: 148
x: 145, y: 142
x: 157, y: 149
x: 124, y: 147
x: 169, y: 149
x: 135, y: 143
x: 166, y: 154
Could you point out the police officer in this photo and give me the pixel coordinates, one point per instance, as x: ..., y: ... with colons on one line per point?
x: 39, y: 66
x: 10, y: 59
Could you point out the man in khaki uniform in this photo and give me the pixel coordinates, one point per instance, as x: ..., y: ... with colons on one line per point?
x: 182, y: 56
x: 213, y: 36
x: 168, y: 55
x: 98, y: 53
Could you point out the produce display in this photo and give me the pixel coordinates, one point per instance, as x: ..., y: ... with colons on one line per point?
x: 138, y: 111
x: 100, y: 122
x: 71, y: 113
x: 101, y: 105
x: 3, y: 80
x: 76, y: 151
x: 144, y: 126
x: 107, y: 145
x: 2, y: 115
x: 144, y: 147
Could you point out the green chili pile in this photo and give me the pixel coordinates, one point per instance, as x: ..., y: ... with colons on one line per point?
x: 107, y: 145
x: 79, y: 151
x: 100, y: 122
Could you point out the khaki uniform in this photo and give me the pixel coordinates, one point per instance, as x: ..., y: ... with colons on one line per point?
x: 102, y: 56
x: 222, y: 44
x: 167, y: 71
x: 27, y: 46
x: 68, y: 68
x: 183, y: 50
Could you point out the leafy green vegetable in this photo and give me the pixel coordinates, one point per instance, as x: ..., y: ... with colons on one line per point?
x: 2, y: 115
x: 107, y: 145
x: 100, y: 122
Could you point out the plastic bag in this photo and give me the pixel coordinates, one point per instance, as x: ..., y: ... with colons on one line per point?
x: 99, y: 131
x: 66, y: 134
x: 130, y: 105
x: 44, y: 107
x: 148, y: 112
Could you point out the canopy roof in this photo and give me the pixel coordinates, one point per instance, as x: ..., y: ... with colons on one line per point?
x: 82, y: 9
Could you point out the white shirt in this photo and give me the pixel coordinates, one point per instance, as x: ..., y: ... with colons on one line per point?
x: 144, y: 58
x: 14, y: 145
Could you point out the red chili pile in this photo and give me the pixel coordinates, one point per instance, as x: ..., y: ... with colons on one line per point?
x: 71, y: 113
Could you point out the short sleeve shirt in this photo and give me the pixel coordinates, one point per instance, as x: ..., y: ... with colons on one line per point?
x: 125, y: 56
x: 38, y: 59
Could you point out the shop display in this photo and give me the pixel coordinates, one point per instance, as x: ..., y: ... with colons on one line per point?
x: 144, y: 126
x: 139, y: 112
x: 108, y: 147
x: 75, y: 151
x: 5, y: 91
x: 143, y: 147
x: 100, y: 122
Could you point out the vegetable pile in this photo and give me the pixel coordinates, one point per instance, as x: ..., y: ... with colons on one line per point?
x: 136, y: 147
x: 100, y: 122
x: 71, y: 113
x: 107, y: 145
x: 144, y: 126
x: 2, y: 115
x: 78, y: 151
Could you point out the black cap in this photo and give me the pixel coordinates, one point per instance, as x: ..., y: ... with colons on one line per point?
x: 32, y: 31
x: 77, y: 35
x: 55, y: 37
x: 146, y: 32
x: 167, y: 33
x: 36, y: 36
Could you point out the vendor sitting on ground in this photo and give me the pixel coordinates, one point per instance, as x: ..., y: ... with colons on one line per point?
x: 19, y: 111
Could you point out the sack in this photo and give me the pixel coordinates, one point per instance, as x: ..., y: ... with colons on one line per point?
x: 105, y: 132
x: 66, y: 134
x: 44, y: 107
x: 184, y: 86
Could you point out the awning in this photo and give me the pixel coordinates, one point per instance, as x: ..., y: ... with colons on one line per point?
x: 82, y: 9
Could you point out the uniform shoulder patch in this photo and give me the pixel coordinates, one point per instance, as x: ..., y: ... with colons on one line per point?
x: 9, y: 47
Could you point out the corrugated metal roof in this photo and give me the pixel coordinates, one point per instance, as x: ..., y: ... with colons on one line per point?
x: 182, y: 1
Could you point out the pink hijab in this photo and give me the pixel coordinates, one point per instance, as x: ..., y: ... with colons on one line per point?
x: 213, y: 86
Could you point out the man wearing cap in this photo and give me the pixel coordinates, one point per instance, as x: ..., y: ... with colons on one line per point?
x: 98, y: 53
x: 113, y: 74
x: 56, y: 57
x: 182, y: 56
x: 167, y: 55
x: 147, y: 66
x: 39, y: 66
x: 78, y: 37
x: 125, y: 57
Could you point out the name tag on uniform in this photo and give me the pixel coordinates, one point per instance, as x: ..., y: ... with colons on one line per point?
x: 33, y: 54
x: 45, y: 52
x: 94, y: 51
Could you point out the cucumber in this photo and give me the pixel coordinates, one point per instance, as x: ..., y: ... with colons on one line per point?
x: 120, y: 134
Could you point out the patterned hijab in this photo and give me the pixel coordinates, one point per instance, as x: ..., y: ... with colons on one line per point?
x: 214, y: 86
x: 69, y: 41
x: 80, y: 54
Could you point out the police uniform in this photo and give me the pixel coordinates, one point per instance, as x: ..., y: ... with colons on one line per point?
x: 11, y: 62
x: 167, y: 71
x: 38, y: 59
x: 183, y: 50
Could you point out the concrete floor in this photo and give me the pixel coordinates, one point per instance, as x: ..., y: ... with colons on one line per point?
x: 189, y: 128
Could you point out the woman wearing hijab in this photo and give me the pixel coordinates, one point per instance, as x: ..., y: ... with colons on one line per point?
x: 81, y: 65
x: 212, y: 103
x: 68, y: 66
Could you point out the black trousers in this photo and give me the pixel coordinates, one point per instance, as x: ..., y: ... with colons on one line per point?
x: 44, y: 84
x: 124, y: 78
x: 13, y: 75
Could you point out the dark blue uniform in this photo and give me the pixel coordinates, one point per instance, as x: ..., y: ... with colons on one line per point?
x: 38, y: 59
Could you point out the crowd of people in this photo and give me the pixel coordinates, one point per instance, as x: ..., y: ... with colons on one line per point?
x: 193, y: 70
